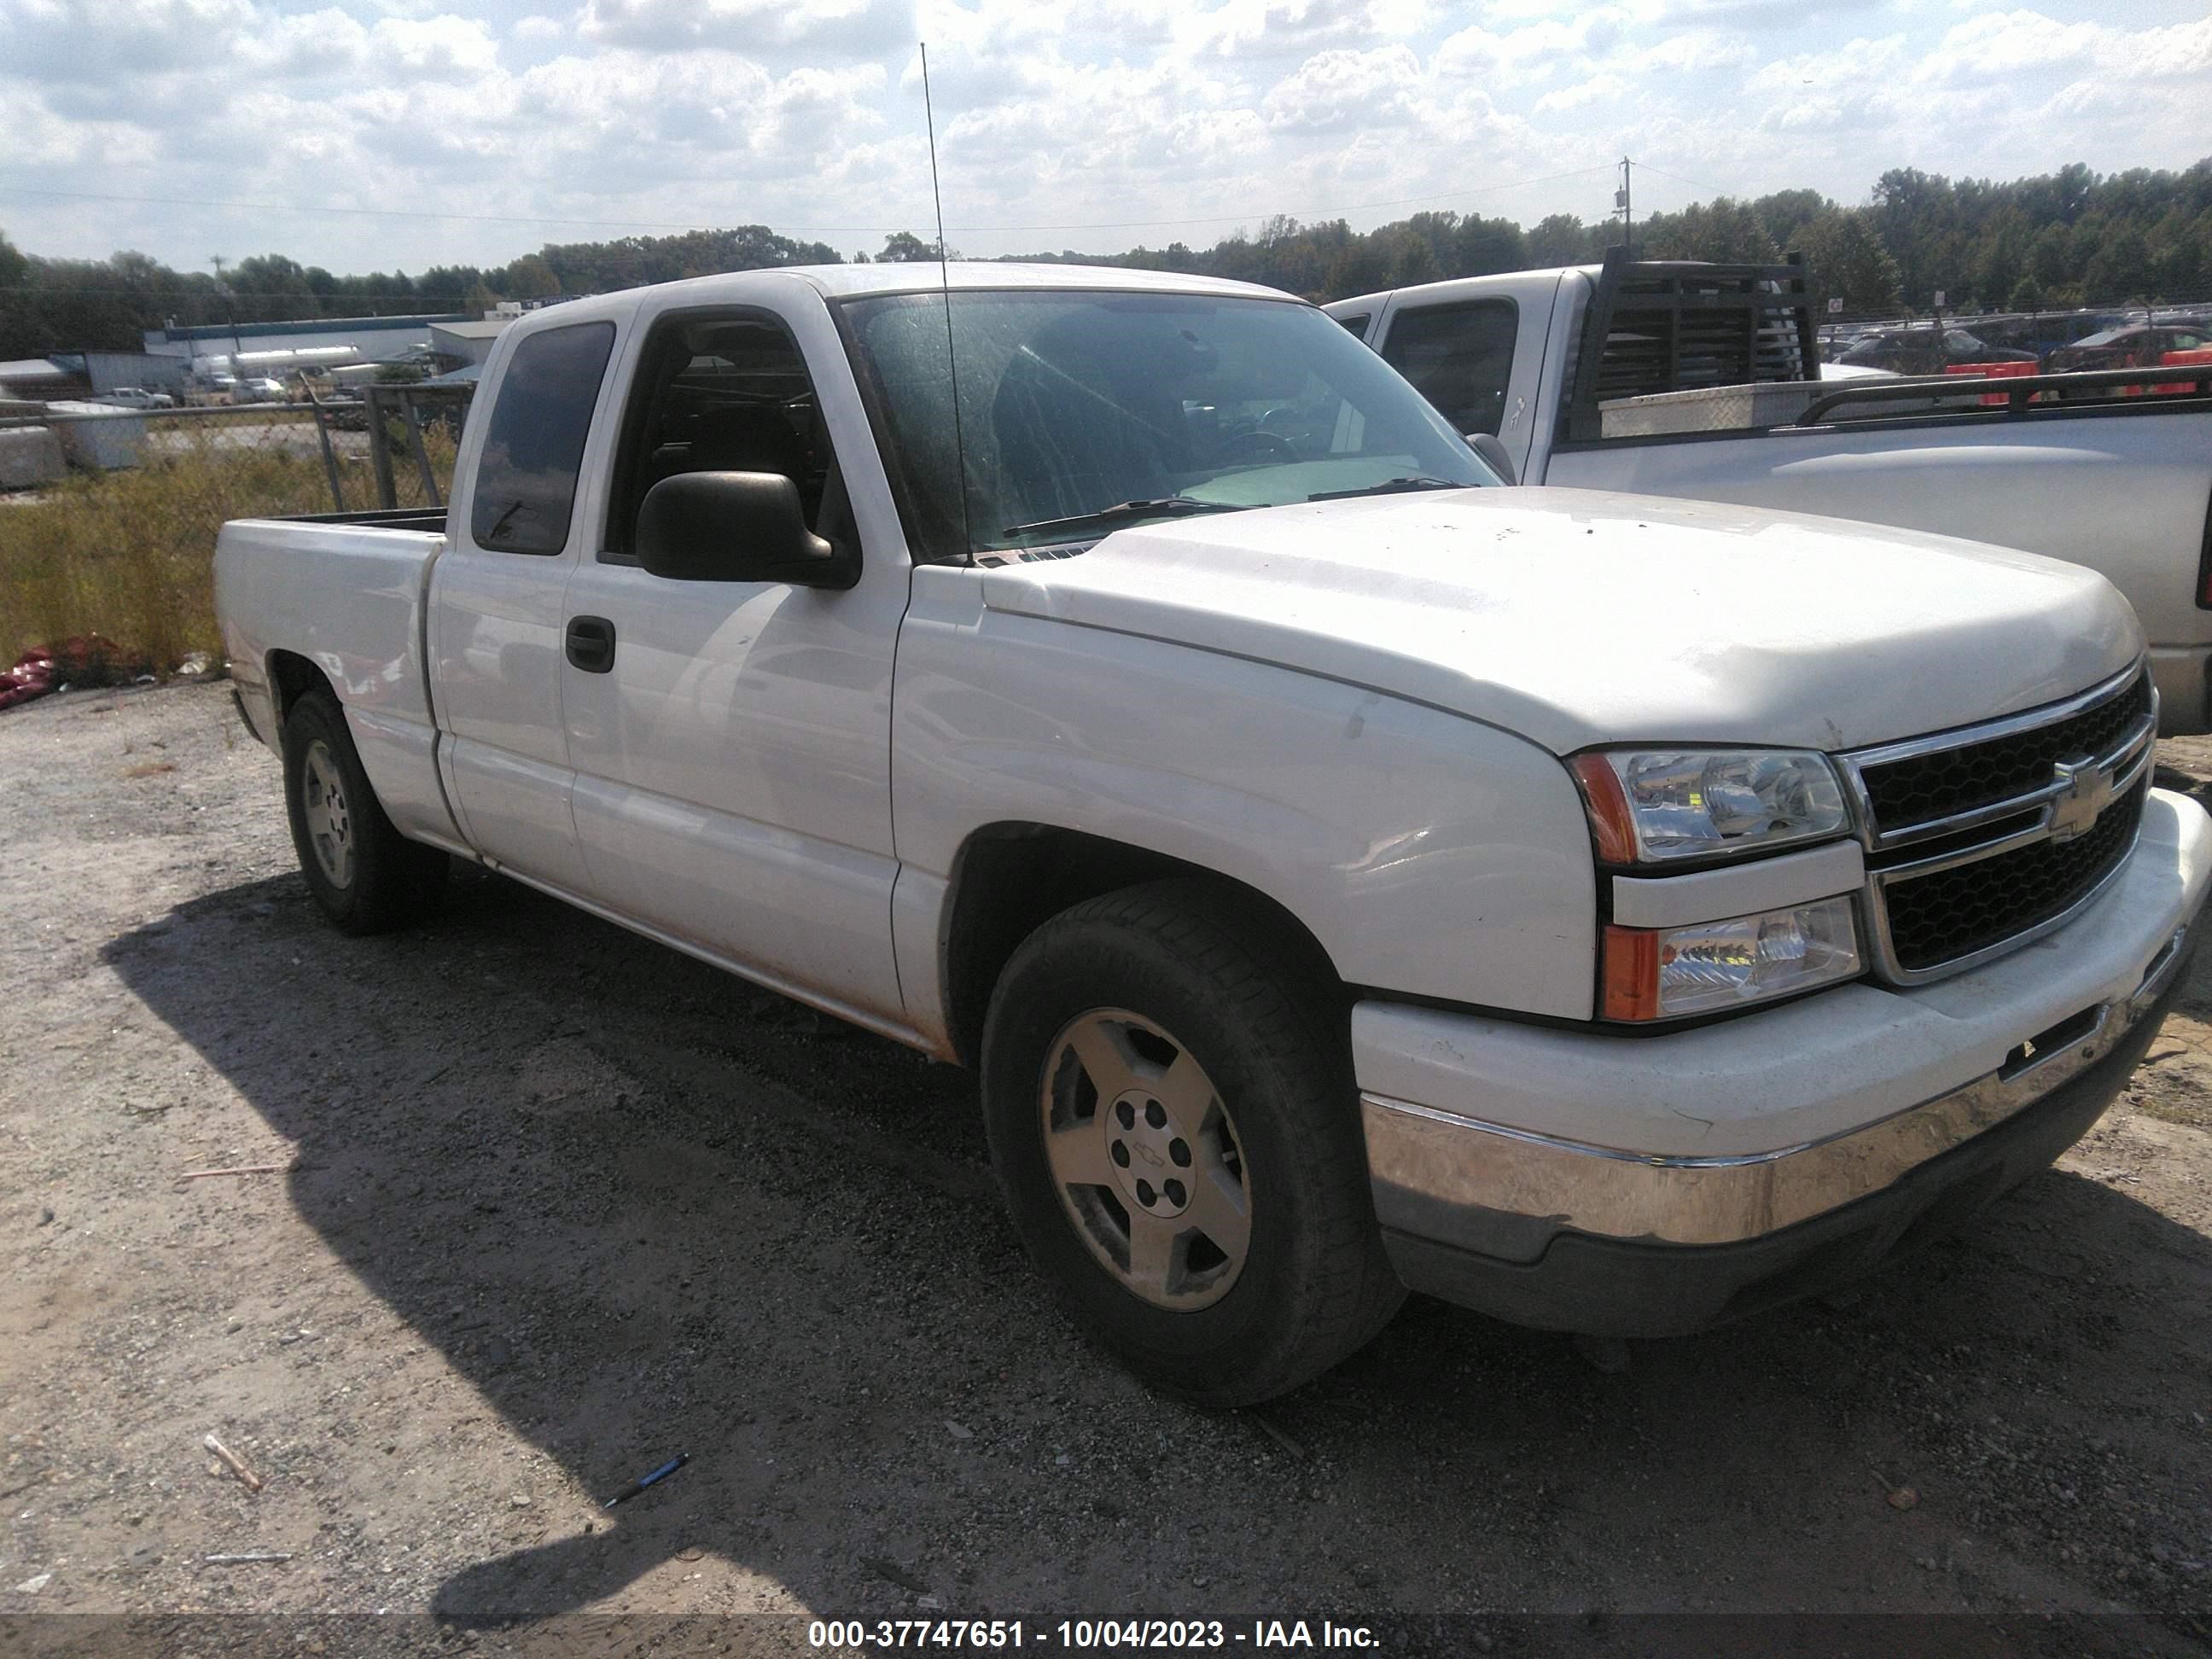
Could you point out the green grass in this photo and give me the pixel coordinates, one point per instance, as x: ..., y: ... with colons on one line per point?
x: 129, y: 555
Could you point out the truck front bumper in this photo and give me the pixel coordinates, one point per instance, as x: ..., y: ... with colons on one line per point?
x: 1652, y: 1186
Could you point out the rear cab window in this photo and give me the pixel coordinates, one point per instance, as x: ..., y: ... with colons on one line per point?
x: 526, y: 477
x: 1459, y: 357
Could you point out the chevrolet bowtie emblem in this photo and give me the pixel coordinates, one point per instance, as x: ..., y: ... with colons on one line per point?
x: 2086, y: 789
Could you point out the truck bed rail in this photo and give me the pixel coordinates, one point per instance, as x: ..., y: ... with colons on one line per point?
x: 379, y: 518
x: 2019, y: 391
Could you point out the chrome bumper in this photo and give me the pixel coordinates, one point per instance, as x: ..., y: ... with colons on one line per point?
x: 1451, y: 1164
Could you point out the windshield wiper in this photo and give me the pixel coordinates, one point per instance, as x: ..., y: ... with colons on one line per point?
x: 1167, y: 507
x: 1391, y: 487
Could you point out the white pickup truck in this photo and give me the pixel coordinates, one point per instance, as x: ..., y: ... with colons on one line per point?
x: 2121, y: 484
x: 1619, y: 915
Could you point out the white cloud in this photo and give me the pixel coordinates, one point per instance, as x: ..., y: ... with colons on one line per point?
x: 1599, y: 88
x: 1995, y: 46
x: 837, y: 26
x: 1999, y: 43
x: 1337, y: 91
x: 1532, y: 52
x: 1147, y: 120
x: 1697, y: 51
x: 1858, y: 62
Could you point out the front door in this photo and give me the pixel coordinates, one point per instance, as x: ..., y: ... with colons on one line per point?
x: 733, y: 752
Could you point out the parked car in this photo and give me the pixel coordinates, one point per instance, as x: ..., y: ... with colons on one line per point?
x: 258, y: 390
x: 1534, y: 357
x: 1927, y: 351
x: 133, y: 396
x: 344, y: 409
x: 1345, y: 873
x: 2136, y: 346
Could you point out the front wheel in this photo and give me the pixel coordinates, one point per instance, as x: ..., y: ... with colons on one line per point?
x: 1172, y: 1116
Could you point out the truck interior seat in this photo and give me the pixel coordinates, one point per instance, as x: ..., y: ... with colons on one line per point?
x: 746, y: 438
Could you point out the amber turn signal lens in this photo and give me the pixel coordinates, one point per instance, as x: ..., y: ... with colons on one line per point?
x: 1631, y: 974
x: 1612, y: 826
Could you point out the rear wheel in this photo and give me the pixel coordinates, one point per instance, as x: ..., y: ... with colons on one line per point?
x: 367, y: 876
x: 1172, y: 1116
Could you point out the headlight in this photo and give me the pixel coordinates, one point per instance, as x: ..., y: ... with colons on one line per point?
x: 1662, y: 973
x: 1648, y: 805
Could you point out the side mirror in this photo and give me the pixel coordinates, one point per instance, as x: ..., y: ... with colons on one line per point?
x: 736, y: 527
x: 1493, y: 450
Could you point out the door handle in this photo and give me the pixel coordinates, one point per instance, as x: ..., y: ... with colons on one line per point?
x: 591, y: 643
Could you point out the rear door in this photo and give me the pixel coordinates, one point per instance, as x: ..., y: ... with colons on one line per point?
x: 732, y: 750
x: 497, y: 602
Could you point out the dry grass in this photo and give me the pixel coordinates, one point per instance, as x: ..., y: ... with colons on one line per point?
x: 129, y: 555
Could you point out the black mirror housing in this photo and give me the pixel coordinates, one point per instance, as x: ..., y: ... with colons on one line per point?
x: 736, y: 527
x: 1492, y: 448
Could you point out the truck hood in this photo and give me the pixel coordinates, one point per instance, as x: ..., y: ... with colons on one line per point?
x: 1574, y: 616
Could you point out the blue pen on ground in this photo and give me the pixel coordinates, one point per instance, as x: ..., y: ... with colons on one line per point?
x: 643, y: 1481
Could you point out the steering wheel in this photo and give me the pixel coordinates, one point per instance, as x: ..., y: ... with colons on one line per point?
x: 1258, y: 445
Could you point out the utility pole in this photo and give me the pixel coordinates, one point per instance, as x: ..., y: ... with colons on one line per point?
x: 1626, y: 204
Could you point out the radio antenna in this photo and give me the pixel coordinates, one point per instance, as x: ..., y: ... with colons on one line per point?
x: 945, y: 287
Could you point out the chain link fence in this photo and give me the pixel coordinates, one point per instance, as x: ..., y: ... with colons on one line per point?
x: 108, y: 516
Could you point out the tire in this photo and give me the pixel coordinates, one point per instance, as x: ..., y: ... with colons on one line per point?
x: 1172, y: 1115
x: 367, y: 876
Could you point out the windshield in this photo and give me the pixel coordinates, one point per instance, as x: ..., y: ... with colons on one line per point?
x: 1079, y: 412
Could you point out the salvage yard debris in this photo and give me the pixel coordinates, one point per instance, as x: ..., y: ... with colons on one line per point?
x: 82, y: 659
x: 247, y: 1477
x: 645, y: 1480
x: 243, y: 1168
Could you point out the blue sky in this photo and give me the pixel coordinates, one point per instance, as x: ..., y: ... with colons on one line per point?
x: 404, y: 134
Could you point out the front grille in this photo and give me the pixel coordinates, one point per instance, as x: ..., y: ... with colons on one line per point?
x: 1941, y: 892
x: 1953, y: 913
x: 1924, y: 788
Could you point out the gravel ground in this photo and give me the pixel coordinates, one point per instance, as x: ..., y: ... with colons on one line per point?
x: 559, y: 1204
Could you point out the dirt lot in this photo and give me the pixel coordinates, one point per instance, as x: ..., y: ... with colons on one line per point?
x: 560, y: 1204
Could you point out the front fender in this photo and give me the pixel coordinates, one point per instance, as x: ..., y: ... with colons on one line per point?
x: 1429, y: 854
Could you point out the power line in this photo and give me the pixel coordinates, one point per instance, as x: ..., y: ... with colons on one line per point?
x: 805, y: 230
x: 1692, y: 183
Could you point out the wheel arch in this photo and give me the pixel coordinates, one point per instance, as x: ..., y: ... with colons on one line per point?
x: 1010, y: 878
x: 290, y: 678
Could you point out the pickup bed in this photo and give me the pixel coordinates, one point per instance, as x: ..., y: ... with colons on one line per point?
x: 1343, y: 873
x: 2122, y: 485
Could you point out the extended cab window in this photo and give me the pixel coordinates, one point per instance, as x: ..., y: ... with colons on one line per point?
x: 1458, y: 357
x: 724, y: 391
x: 1355, y: 326
x: 526, y: 478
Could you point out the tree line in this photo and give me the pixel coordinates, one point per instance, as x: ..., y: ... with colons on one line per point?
x: 2060, y: 239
